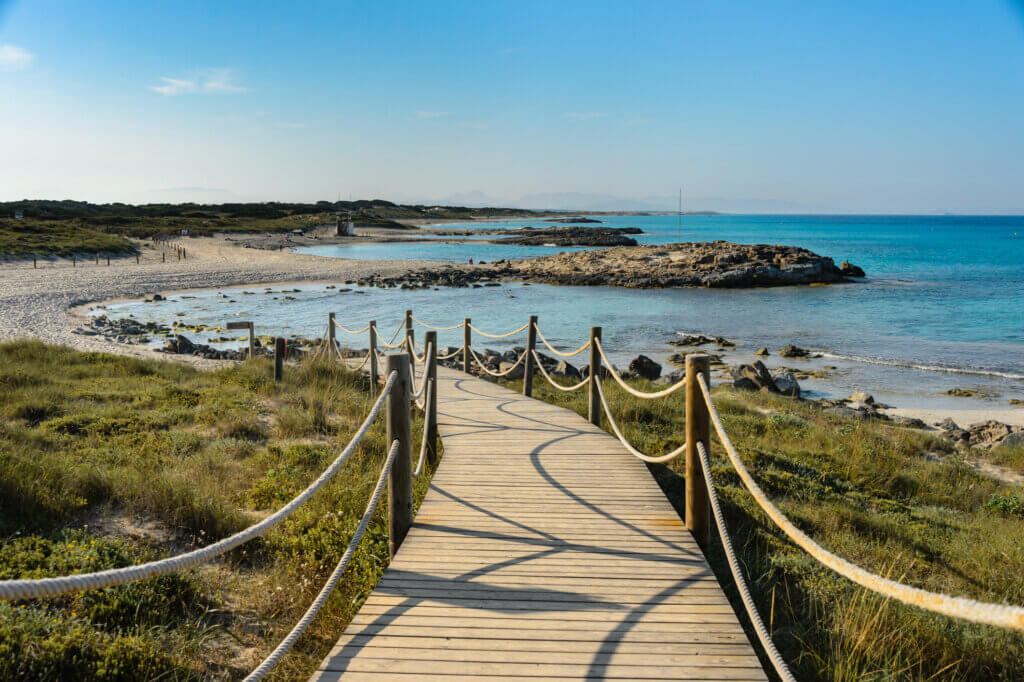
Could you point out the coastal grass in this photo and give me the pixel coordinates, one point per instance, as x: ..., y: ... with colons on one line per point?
x: 25, y: 238
x: 109, y: 461
x: 866, y: 491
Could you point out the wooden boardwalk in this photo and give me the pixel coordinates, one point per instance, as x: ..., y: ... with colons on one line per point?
x: 543, y: 550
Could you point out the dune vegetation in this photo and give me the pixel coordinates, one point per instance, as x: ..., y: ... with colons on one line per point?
x: 900, y: 502
x: 27, y: 238
x: 108, y: 461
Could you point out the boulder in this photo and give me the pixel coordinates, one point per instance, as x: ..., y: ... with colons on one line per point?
x: 989, y: 433
x: 762, y: 351
x: 792, y: 351
x: 564, y: 369
x: 908, y: 422
x: 644, y: 367
x: 848, y: 269
x: 786, y: 383
x: 948, y: 424
x: 673, y: 377
x: 745, y: 384
x: 516, y: 373
x: 179, y: 344
x: 756, y: 374
x: 862, y: 397
x: 1014, y: 440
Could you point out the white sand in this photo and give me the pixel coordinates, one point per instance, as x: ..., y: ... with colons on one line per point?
x: 38, y: 303
x: 963, y: 417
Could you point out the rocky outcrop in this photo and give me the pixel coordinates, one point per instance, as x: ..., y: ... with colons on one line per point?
x: 570, y: 236
x: 848, y: 269
x: 983, y: 435
x: 716, y: 264
x: 645, y: 368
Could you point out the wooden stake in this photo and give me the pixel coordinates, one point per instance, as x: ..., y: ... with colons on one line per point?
x: 279, y: 350
x: 466, y: 334
x: 531, y: 346
x: 594, y: 401
x: 430, y: 376
x: 399, y: 427
x: 698, y: 430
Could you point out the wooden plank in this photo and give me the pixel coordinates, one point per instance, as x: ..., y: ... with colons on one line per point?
x: 543, y: 550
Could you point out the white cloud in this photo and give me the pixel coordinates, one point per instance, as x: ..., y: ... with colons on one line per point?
x: 584, y: 115
x: 14, y: 58
x: 430, y: 114
x: 174, y: 86
x: 211, y: 81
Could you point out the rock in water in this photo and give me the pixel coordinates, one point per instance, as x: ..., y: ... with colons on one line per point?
x: 792, y: 351
x: 179, y: 344
x: 516, y: 373
x: 762, y: 351
x: 644, y: 367
x: 862, y: 397
x: 848, y: 269
x: 753, y: 377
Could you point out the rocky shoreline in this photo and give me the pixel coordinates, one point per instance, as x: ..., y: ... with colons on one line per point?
x: 717, y: 264
x: 571, y: 236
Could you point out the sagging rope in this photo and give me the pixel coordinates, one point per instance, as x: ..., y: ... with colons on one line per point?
x: 423, y: 380
x: 289, y: 641
x: 1003, y: 615
x: 352, y: 331
x: 48, y: 587
x: 558, y: 352
x: 629, y: 389
x: 430, y: 326
x: 567, y: 389
x: 428, y: 410
x: 402, y: 344
x: 499, y: 336
x: 450, y: 355
x: 625, y: 443
x: 479, y: 362
x: 411, y: 347
x: 737, y: 574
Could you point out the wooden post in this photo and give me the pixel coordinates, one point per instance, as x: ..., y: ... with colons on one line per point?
x: 698, y: 430
x: 97, y: 258
x: 108, y: 261
x: 531, y: 345
x: 34, y: 261
x: 399, y: 428
x: 594, y: 402
x: 330, y: 334
x: 374, y: 373
x: 136, y: 259
x: 409, y: 338
x: 163, y: 257
x: 430, y: 411
x: 252, y: 335
x: 74, y: 261
x: 466, y: 333
x: 279, y: 351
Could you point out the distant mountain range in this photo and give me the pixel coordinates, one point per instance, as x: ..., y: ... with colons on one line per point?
x: 577, y: 201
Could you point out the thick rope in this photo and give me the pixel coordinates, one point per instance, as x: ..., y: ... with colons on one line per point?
x: 440, y: 329
x: 625, y: 443
x: 289, y: 641
x: 558, y: 352
x: 411, y: 347
x: 351, y: 331
x: 499, y: 336
x: 423, y: 379
x: 48, y: 587
x: 427, y: 416
x: 1003, y: 615
x: 450, y: 355
x: 560, y: 387
x: 392, y: 345
x: 629, y: 389
x: 479, y: 362
x: 397, y: 332
x: 737, y: 574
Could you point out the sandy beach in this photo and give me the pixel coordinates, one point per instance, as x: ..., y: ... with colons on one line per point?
x: 47, y: 303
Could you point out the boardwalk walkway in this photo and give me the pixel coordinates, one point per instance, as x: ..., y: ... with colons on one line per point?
x: 543, y: 550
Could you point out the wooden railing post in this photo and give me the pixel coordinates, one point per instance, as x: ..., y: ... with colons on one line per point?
x: 399, y: 428
x: 330, y: 334
x: 34, y: 261
x: 594, y: 402
x: 374, y: 372
x: 531, y: 346
x: 279, y: 351
x: 252, y: 335
x: 466, y: 335
x: 698, y: 430
x: 409, y: 338
x: 430, y: 376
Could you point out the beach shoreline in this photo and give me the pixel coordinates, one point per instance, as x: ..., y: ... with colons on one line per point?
x: 50, y: 303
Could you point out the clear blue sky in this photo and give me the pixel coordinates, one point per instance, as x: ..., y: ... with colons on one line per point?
x: 868, y: 106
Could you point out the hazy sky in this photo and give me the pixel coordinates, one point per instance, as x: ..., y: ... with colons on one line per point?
x: 855, y: 106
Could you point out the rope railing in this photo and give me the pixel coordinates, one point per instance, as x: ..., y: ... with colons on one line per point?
x: 427, y: 416
x: 48, y: 587
x: 452, y: 354
x: 560, y: 387
x: 332, y: 581
x: 629, y: 389
x: 499, y: 336
x: 354, y: 332
x: 418, y: 393
x: 958, y: 607
x: 439, y: 329
x: 625, y: 443
x: 505, y: 373
x: 737, y: 574
x: 558, y: 352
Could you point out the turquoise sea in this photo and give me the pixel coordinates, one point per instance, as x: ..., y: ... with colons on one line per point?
x: 942, y: 306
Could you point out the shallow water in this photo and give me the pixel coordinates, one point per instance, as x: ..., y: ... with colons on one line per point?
x: 943, y: 305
